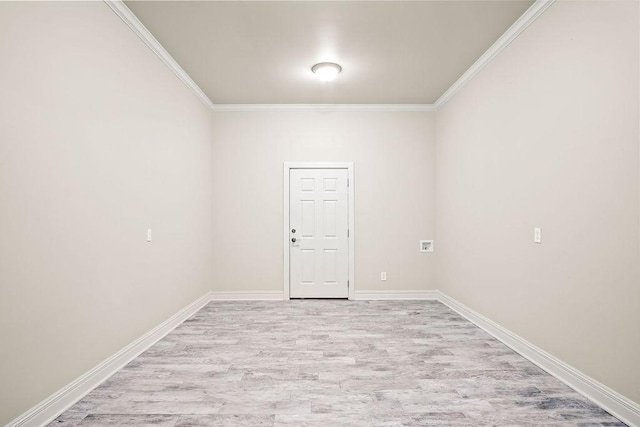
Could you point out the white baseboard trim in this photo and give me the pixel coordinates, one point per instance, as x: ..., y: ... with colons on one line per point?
x: 393, y: 295
x: 612, y: 401
x: 247, y: 296
x: 50, y: 408
x: 47, y: 410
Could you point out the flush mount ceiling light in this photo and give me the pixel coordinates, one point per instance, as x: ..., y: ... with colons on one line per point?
x: 326, y: 71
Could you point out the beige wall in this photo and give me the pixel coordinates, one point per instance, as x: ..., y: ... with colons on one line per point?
x: 393, y: 154
x: 98, y: 142
x: 547, y: 135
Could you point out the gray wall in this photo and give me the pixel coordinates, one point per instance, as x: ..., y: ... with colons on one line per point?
x: 394, y: 155
x: 98, y: 142
x: 547, y: 135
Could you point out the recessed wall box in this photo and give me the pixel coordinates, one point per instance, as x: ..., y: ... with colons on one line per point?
x: 426, y: 245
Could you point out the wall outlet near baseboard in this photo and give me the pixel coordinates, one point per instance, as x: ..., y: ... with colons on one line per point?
x: 383, y: 276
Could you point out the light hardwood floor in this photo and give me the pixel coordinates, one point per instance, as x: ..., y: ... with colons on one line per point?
x: 332, y: 363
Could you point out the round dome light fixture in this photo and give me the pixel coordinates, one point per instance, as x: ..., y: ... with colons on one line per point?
x: 326, y: 71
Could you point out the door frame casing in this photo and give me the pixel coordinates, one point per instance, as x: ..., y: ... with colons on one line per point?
x: 349, y: 166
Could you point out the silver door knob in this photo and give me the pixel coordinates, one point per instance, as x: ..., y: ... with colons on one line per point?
x: 293, y: 239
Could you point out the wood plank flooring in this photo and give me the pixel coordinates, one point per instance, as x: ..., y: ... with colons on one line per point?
x: 332, y: 363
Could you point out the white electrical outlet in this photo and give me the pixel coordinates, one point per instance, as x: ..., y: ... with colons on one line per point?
x: 537, y: 235
x: 149, y: 235
x: 383, y: 275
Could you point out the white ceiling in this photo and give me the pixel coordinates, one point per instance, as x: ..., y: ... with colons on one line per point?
x: 391, y: 52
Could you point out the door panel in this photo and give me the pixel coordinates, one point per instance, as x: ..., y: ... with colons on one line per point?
x: 308, y: 218
x: 318, y: 212
x: 330, y: 218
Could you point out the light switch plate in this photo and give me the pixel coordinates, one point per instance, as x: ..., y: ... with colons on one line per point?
x: 537, y: 235
x: 149, y: 235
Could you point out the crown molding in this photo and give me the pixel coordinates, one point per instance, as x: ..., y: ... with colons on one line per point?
x: 323, y: 107
x: 145, y: 35
x: 521, y: 24
x: 536, y: 9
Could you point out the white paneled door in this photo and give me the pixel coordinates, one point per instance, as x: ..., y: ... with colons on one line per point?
x: 318, y: 235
